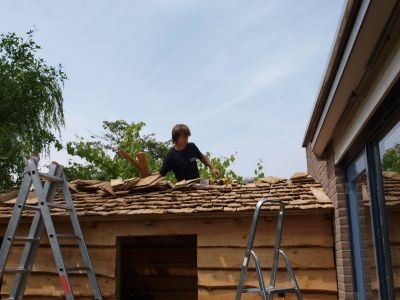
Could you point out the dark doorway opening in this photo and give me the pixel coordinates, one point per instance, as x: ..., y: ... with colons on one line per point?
x: 157, y: 267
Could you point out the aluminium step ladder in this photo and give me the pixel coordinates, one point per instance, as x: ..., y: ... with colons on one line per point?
x: 267, y: 292
x: 42, y: 220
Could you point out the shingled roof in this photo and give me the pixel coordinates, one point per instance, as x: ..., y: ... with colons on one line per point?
x: 392, y: 188
x: 300, y: 192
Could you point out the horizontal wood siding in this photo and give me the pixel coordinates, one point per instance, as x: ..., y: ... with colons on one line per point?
x: 307, y: 239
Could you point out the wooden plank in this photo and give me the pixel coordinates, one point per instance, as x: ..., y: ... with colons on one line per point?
x: 49, y: 285
x: 11, y: 195
x: 72, y: 188
x: 149, y: 180
x: 46, y: 297
x: 129, y: 158
x: 8, y: 200
x: 223, y: 294
x: 302, y: 257
x: 320, y: 280
x: 143, y: 165
x: 299, y: 230
x: 106, y: 186
x: 103, y: 259
x: 394, y: 225
x: 86, y: 182
x: 395, y: 254
x: 116, y: 183
x: 396, y: 278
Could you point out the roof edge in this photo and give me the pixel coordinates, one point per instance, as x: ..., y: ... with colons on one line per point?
x: 183, y: 216
x: 349, y: 15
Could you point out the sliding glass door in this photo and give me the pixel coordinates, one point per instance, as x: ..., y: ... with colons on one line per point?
x: 359, y: 204
x: 389, y: 156
x: 373, y: 188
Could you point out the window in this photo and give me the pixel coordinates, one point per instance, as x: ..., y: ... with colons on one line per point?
x: 389, y: 150
x: 373, y: 186
x: 362, y: 235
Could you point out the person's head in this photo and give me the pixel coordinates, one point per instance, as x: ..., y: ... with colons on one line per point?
x: 180, y: 134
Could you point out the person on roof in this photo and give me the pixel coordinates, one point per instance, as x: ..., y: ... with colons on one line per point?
x: 181, y: 158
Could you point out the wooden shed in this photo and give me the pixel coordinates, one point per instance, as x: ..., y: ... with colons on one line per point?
x: 188, y: 243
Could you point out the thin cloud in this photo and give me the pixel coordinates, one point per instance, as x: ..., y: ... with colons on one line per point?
x: 263, y: 80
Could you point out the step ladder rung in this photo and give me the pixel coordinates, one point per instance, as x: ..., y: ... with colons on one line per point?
x: 61, y: 206
x: 50, y: 177
x: 76, y: 269
x: 251, y: 290
x: 26, y: 239
x: 270, y: 290
x: 16, y: 270
x: 68, y: 236
x: 32, y: 207
x: 277, y: 290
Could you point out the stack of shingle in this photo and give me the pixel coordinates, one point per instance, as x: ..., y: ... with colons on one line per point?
x: 118, y: 187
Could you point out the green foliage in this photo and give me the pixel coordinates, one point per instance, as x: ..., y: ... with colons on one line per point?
x: 101, y: 160
x: 391, y: 159
x: 31, y: 105
x: 259, y: 171
x: 222, y: 163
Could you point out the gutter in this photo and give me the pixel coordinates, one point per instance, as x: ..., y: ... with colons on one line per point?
x: 348, y: 19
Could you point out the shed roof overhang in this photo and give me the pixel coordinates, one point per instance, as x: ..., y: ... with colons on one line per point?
x: 359, y: 32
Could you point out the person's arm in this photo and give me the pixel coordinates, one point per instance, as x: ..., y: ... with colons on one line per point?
x: 166, y: 166
x: 205, y: 160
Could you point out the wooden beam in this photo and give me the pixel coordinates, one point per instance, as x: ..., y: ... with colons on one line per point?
x: 143, y: 165
x: 9, y: 196
x: 129, y: 158
x: 140, y: 163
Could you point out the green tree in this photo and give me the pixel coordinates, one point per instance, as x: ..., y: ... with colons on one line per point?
x: 222, y: 163
x: 391, y: 159
x: 31, y: 105
x: 101, y: 161
x: 259, y: 171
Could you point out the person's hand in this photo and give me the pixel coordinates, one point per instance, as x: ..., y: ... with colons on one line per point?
x: 216, y: 172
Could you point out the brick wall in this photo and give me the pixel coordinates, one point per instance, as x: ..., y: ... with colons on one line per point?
x: 332, y: 179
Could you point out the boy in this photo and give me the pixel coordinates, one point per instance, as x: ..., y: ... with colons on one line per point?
x: 181, y: 159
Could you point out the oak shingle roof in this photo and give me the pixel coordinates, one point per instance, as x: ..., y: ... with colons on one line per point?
x: 300, y: 192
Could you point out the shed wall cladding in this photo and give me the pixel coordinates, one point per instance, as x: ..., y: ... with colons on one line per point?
x: 218, y: 217
x: 220, y: 247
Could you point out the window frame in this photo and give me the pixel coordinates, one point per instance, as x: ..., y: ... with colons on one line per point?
x: 369, y: 161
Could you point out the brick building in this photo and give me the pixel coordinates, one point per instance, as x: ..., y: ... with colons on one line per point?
x: 352, y: 145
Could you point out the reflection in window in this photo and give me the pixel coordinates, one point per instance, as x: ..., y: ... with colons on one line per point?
x: 367, y: 241
x: 389, y: 149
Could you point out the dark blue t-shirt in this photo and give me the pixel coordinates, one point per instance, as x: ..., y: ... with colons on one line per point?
x: 182, y: 162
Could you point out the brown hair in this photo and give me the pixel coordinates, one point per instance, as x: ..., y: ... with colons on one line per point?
x: 180, y: 130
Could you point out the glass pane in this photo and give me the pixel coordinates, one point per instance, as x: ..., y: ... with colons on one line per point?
x: 389, y: 149
x: 366, y: 238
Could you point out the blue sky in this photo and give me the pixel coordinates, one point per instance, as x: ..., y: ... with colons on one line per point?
x: 243, y: 75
